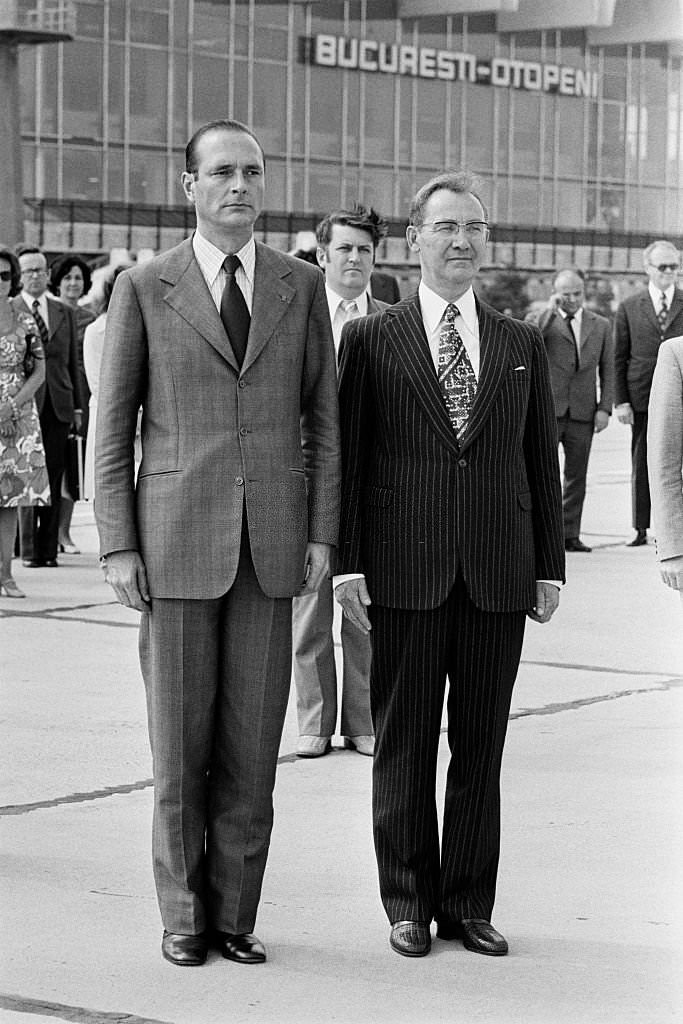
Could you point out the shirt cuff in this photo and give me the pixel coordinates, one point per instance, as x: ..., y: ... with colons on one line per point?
x: 344, y: 576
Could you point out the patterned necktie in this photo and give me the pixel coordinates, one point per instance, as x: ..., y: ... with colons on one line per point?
x: 234, y: 310
x: 662, y: 315
x: 40, y: 324
x: 456, y: 376
x: 569, y: 318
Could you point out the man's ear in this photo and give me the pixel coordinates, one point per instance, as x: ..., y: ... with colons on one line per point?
x: 321, y: 256
x: 411, y: 238
x: 187, y: 181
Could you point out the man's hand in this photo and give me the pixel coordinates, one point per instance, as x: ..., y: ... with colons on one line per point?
x: 547, y: 600
x: 77, y: 425
x: 316, y: 568
x: 600, y: 421
x: 125, y: 572
x: 353, y: 596
x: 625, y: 414
x: 671, y: 570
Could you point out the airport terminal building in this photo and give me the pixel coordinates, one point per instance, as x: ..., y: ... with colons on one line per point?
x: 571, y: 115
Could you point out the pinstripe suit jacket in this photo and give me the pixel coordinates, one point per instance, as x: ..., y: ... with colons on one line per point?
x: 417, y: 505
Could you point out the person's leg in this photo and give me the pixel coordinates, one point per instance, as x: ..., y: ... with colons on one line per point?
x: 578, y: 439
x: 55, y: 434
x: 255, y: 659
x: 640, y: 485
x: 485, y: 648
x: 179, y: 657
x: 356, y: 719
x: 8, y: 529
x: 407, y: 683
x: 313, y: 665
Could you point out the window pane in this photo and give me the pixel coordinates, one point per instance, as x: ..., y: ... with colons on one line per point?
x: 117, y: 92
x: 90, y: 19
x: 212, y: 27
x: 378, y: 188
x: 526, y: 119
x: 613, y: 140
x: 115, y: 175
x: 148, y: 92
x: 379, y: 117
x: 210, y: 89
x: 83, y: 90
x: 275, y: 185
x: 324, y: 188
x: 571, y: 137
x: 270, y: 108
x: 326, y: 128
x: 82, y: 171
x: 479, y: 127
x: 149, y: 24
x: 431, y: 115
x: 147, y: 177
x: 180, y: 132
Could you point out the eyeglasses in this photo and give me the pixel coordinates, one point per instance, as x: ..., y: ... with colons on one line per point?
x: 662, y: 267
x: 33, y: 271
x: 5, y: 275
x: 450, y: 228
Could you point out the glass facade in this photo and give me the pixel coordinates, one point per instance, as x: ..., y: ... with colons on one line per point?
x: 106, y: 117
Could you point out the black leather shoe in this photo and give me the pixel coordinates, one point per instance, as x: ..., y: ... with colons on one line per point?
x: 477, y: 935
x: 574, y: 544
x: 639, y: 539
x: 243, y: 949
x: 33, y: 563
x: 51, y: 563
x: 410, y: 938
x: 184, y: 950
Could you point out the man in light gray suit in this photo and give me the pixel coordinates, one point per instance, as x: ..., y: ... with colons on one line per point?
x: 580, y: 352
x: 347, y: 242
x: 665, y: 459
x: 226, y: 345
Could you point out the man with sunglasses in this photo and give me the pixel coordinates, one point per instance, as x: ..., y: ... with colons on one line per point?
x: 643, y: 321
x: 451, y: 535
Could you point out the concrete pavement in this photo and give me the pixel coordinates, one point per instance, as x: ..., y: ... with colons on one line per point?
x: 590, y: 888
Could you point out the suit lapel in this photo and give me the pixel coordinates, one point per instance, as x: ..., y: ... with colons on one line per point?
x: 272, y: 297
x: 191, y: 299
x: 493, y: 365
x: 675, y: 308
x: 648, y: 310
x: 406, y: 335
x: 55, y: 316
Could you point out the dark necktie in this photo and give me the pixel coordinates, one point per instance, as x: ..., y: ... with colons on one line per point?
x: 662, y: 315
x: 234, y: 310
x: 40, y: 324
x: 569, y: 319
x: 456, y: 376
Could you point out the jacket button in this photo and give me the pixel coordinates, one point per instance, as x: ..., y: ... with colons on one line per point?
x: 239, y: 480
x: 241, y: 383
x: 243, y: 431
x: 462, y: 463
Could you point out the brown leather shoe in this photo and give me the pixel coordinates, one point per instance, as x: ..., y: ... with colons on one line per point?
x: 410, y: 938
x: 184, y: 950
x: 477, y: 935
x: 244, y: 948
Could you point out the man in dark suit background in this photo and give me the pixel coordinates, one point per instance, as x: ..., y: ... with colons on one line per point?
x: 452, y: 525
x: 347, y: 242
x: 643, y: 321
x: 60, y: 402
x: 580, y: 351
x: 226, y: 345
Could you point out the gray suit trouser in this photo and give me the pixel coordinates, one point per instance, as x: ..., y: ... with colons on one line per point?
x: 217, y: 676
x: 576, y: 438
x: 315, y: 673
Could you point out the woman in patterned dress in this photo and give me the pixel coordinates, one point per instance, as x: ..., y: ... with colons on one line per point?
x: 23, y: 474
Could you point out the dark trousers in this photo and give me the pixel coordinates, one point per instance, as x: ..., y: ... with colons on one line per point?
x: 413, y: 653
x: 39, y: 524
x: 217, y: 677
x: 576, y: 438
x: 640, y: 485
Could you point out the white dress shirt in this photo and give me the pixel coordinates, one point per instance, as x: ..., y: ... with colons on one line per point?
x: 42, y: 305
x: 338, y: 315
x: 575, y: 326
x: 433, y: 309
x: 656, y: 296
x: 210, y: 260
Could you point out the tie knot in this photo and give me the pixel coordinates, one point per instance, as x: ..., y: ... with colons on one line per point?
x: 451, y: 312
x: 569, y: 317
x: 231, y: 263
x: 36, y: 305
x: 349, y: 305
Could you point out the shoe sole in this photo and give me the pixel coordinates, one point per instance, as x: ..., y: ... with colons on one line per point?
x: 405, y: 952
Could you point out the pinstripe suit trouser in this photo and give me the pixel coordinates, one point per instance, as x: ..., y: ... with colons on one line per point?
x: 413, y: 653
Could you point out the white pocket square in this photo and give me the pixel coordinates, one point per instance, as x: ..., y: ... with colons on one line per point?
x: 517, y: 368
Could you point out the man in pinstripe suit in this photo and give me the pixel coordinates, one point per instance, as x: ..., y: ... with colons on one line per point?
x: 451, y: 536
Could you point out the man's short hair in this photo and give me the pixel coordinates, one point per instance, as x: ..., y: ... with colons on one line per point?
x: 653, y: 245
x: 361, y: 217
x: 453, y: 181
x: 26, y: 249
x: 569, y: 270
x: 222, y: 124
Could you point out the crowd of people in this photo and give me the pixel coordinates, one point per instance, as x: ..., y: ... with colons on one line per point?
x: 308, y: 439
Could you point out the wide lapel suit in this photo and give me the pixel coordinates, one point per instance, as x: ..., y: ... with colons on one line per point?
x: 451, y: 534
x: 412, y: 549
x: 62, y: 377
x: 665, y: 448
x: 208, y: 446
x: 574, y: 387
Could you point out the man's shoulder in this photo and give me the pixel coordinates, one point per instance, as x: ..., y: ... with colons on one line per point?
x: 632, y: 302
x: 282, y: 262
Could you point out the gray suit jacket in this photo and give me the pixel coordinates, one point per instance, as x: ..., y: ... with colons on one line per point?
x: 636, y: 343
x: 216, y: 439
x: 62, y: 376
x: 665, y: 448
x: 574, y: 390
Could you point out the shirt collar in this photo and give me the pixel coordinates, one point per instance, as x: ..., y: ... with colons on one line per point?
x: 30, y: 299
x: 210, y: 258
x: 333, y: 301
x: 433, y: 307
x: 656, y: 294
